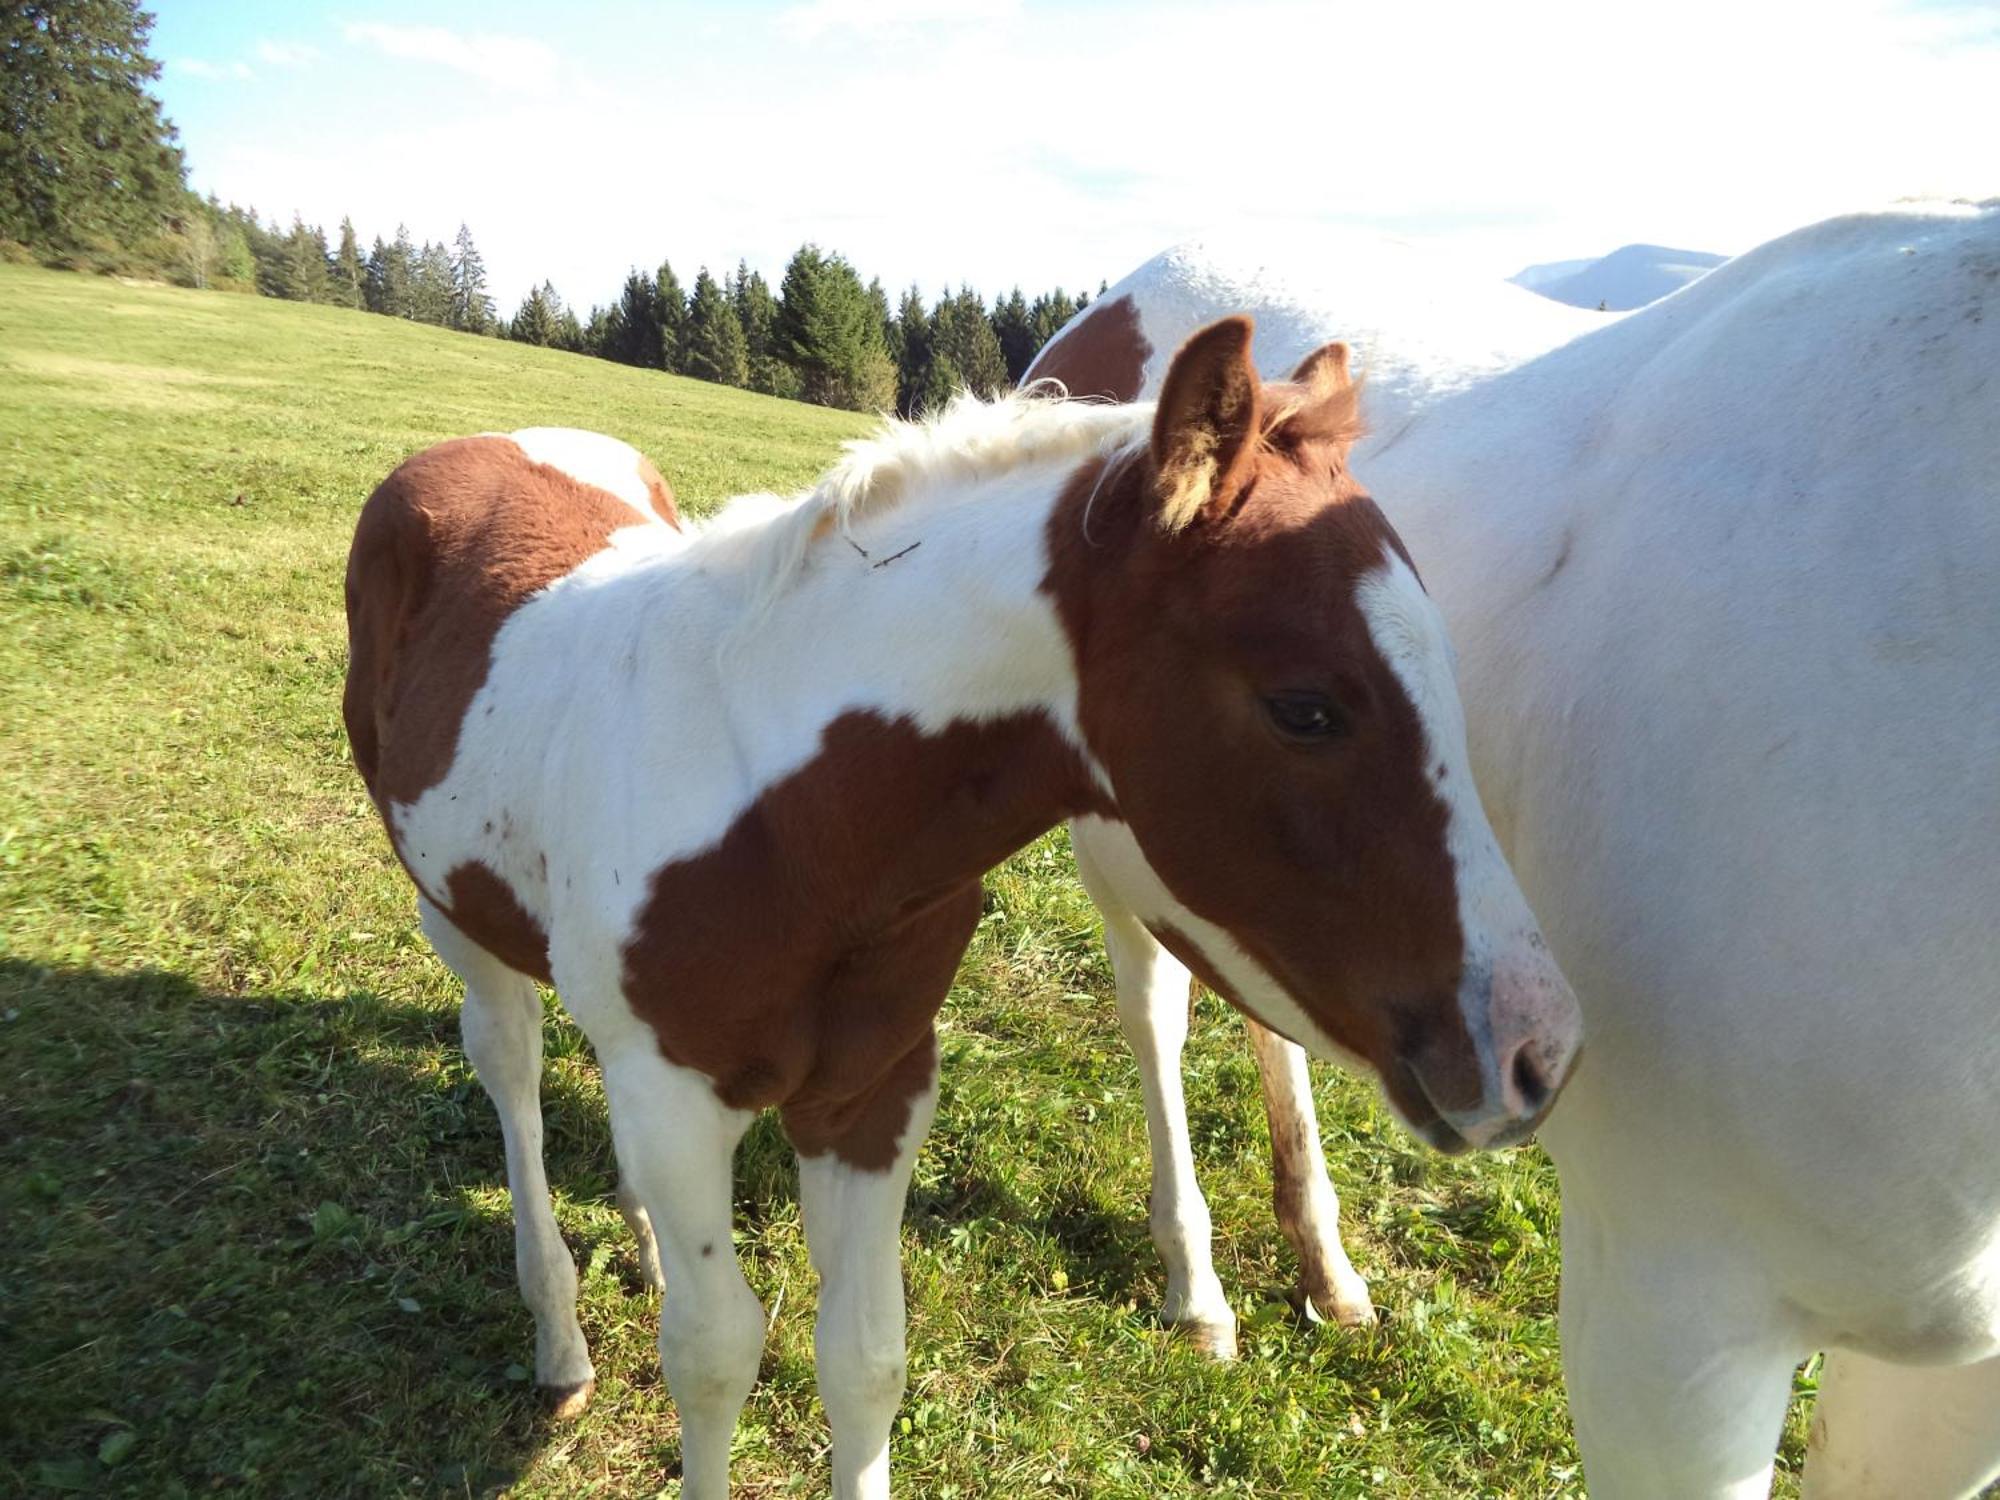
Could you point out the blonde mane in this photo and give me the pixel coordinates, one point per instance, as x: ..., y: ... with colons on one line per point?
x: 971, y: 439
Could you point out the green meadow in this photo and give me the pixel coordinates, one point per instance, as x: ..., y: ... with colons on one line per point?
x: 255, y: 1234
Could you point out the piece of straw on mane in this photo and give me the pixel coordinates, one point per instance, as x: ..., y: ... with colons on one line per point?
x: 970, y: 439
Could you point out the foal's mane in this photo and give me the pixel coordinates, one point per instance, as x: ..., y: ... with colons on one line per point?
x: 969, y: 440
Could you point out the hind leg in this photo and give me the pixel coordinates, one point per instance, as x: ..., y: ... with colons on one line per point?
x: 1901, y: 1432
x: 1307, y: 1207
x: 1153, y: 989
x: 641, y: 1224
x: 501, y: 1024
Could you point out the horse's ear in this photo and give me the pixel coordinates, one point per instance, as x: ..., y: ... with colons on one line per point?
x: 1324, y: 371
x: 1331, y: 410
x: 1205, y: 433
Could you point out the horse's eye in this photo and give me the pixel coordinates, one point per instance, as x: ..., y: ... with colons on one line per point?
x: 1306, y: 716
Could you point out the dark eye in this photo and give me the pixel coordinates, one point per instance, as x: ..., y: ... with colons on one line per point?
x: 1306, y: 716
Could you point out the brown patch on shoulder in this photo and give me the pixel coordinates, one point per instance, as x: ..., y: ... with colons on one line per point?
x: 800, y: 962
x: 659, y: 494
x: 447, y: 547
x: 1102, y: 356
x: 484, y: 907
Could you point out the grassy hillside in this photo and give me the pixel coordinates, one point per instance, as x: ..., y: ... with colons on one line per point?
x: 256, y: 1232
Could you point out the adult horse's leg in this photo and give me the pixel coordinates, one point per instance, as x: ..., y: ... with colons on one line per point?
x: 1677, y: 1360
x: 501, y: 1025
x: 1153, y: 992
x: 1308, y: 1208
x: 675, y: 1143
x: 1898, y: 1432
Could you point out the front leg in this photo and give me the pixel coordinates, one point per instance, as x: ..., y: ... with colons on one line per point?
x: 675, y: 1142
x: 853, y: 1213
x: 857, y: 1127
x: 1308, y: 1208
x: 1153, y: 991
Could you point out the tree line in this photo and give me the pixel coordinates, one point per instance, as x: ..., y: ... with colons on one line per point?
x: 91, y: 178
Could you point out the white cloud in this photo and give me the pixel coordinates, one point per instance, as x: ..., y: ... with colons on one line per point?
x: 196, y: 67
x: 818, y: 18
x: 286, y: 54
x: 511, y: 62
x: 986, y: 154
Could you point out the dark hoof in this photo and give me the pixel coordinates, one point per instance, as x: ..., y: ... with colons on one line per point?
x: 566, y: 1402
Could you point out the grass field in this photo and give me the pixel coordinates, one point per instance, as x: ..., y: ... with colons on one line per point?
x: 254, y: 1229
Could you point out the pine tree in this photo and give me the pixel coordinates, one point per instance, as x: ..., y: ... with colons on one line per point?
x: 962, y: 343
x: 471, y: 308
x: 1048, y: 315
x: 597, y: 333
x: 757, y: 311
x: 884, y: 319
x: 431, y: 285
x: 715, y: 348
x: 632, y: 336
x: 569, y: 332
x: 235, y: 269
x: 394, y: 280
x: 829, y: 332
x: 673, y: 316
x: 375, y: 277
x: 1015, y: 333
x: 270, y: 253
x: 347, y: 267
x: 536, y: 320
x: 304, y: 277
x: 913, y: 353
x: 86, y: 157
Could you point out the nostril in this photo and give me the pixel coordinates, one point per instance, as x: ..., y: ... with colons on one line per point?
x: 1531, y: 1084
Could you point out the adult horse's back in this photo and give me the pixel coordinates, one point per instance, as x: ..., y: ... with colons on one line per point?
x: 1729, y: 618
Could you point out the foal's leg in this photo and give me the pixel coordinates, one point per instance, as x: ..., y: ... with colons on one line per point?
x: 855, y: 1159
x: 1153, y: 990
x: 501, y: 1024
x: 1887, y: 1432
x: 853, y: 1217
x: 675, y: 1141
x: 1307, y: 1207
x: 641, y: 1224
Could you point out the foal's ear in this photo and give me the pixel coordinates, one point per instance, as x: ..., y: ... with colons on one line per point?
x: 1205, y: 434
x: 1330, y: 411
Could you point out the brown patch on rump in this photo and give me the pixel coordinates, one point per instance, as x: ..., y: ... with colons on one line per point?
x: 484, y: 907
x: 1326, y: 860
x: 1103, y: 355
x: 801, y: 961
x: 447, y: 547
x: 659, y: 494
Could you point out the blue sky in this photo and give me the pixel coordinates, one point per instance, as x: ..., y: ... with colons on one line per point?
x: 1004, y: 141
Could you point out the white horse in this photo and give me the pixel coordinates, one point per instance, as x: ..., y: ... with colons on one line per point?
x: 732, y: 789
x: 1725, y: 577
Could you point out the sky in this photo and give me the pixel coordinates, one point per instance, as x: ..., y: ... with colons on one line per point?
x: 1005, y: 142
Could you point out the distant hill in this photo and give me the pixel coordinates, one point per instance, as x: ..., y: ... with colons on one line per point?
x: 1626, y: 278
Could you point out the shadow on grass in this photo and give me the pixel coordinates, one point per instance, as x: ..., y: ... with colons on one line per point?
x: 259, y: 1241
x: 256, y: 1242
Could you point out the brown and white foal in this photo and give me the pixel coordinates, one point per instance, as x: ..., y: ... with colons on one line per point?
x: 731, y: 789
